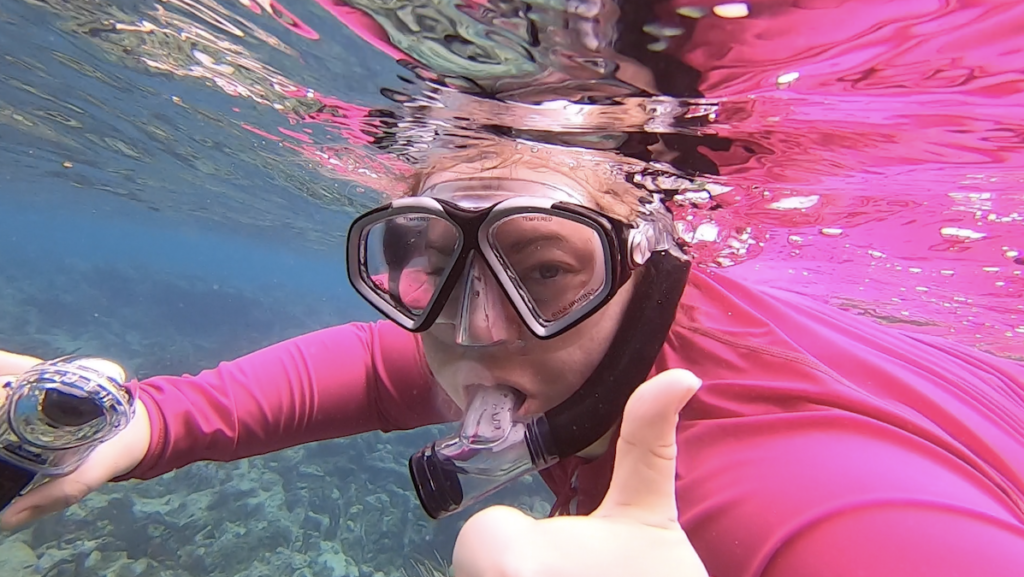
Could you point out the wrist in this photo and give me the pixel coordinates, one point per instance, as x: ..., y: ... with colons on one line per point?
x: 137, y: 440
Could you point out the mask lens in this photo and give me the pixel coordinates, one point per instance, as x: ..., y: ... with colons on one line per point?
x: 407, y: 259
x: 558, y: 265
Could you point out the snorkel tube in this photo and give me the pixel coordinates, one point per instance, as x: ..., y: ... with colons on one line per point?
x: 495, y: 447
x: 55, y: 414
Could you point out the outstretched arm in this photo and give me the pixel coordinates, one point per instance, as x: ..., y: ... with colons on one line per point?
x: 331, y: 383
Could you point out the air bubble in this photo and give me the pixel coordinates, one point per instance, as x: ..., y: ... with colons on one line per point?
x: 692, y: 11
x: 662, y: 31
x: 795, y: 202
x: 965, y: 234
x: 732, y: 10
x: 786, y: 80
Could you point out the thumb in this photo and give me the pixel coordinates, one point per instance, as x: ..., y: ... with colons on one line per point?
x: 643, y: 481
x: 496, y: 541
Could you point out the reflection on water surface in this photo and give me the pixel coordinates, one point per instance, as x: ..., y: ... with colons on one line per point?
x: 867, y: 153
x: 864, y: 153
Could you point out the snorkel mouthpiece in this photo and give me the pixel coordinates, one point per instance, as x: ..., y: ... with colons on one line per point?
x: 56, y: 413
x: 496, y: 446
x: 492, y: 449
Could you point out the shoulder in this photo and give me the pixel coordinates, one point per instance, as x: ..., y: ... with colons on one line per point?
x: 719, y: 308
x: 787, y: 344
x: 812, y: 421
x: 799, y: 489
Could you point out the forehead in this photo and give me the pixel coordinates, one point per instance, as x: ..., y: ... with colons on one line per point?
x: 469, y: 187
x: 484, y: 192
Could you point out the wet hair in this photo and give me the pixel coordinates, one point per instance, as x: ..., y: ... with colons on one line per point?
x: 603, y: 177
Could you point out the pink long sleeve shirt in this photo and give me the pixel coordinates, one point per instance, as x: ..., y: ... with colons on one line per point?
x: 820, y: 443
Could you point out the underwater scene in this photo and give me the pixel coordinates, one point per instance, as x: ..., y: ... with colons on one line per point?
x: 178, y: 177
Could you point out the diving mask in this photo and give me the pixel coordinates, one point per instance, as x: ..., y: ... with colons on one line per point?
x: 55, y: 414
x: 556, y: 261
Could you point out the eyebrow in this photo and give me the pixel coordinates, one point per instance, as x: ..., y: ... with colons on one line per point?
x: 521, y: 245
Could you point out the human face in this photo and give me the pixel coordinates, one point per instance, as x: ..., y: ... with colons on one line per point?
x: 546, y: 371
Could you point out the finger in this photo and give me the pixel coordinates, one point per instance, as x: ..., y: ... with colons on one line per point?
x: 643, y: 481
x: 61, y: 492
x: 494, y: 543
x: 3, y: 391
x: 44, y: 500
x: 115, y: 457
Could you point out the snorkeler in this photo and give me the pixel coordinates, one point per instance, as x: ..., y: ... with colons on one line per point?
x: 531, y: 298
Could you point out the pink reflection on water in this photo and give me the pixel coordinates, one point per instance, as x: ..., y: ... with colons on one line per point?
x: 907, y: 124
x: 282, y: 15
x: 364, y: 26
x: 875, y: 162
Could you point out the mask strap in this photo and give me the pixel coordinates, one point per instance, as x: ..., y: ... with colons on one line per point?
x: 593, y: 409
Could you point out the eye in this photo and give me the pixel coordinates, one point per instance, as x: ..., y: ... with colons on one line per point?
x: 548, y: 271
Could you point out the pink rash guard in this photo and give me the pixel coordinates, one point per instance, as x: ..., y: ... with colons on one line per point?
x: 820, y: 443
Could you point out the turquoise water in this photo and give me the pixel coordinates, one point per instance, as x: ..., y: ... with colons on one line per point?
x: 102, y: 259
x: 49, y: 227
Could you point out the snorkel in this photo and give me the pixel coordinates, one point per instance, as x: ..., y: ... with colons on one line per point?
x: 495, y: 446
x: 492, y: 448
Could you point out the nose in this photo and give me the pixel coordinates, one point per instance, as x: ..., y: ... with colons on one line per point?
x: 479, y: 310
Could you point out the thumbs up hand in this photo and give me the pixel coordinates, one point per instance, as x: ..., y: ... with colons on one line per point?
x: 635, y: 531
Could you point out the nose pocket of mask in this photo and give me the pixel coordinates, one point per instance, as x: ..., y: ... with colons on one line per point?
x: 480, y: 309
